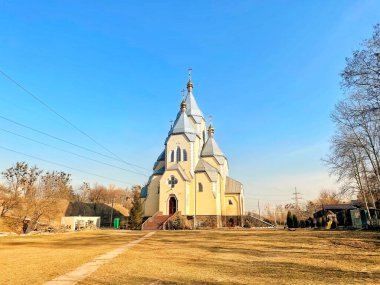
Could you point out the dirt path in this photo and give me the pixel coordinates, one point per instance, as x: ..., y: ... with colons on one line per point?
x: 86, y: 269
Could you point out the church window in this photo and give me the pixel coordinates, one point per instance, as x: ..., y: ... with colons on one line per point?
x: 200, y: 187
x: 178, y: 154
x: 172, y: 156
x: 230, y: 202
x: 184, y: 155
x: 158, y: 190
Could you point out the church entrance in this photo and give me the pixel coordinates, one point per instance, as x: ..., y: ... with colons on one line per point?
x: 172, y: 205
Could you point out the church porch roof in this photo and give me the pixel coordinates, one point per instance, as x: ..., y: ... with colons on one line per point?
x: 181, y: 171
x: 233, y: 186
x: 204, y: 166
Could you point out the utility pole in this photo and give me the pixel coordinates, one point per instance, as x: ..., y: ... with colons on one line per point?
x: 111, y: 213
x: 258, y: 206
x: 296, y: 199
x: 195, y: 203
x: 275, y: 215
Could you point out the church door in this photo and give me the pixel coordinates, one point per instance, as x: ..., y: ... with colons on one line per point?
x: 172, y: 205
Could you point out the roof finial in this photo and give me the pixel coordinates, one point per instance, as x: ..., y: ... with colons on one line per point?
x: 210, y: 129
x: 183, y: 103
x: 189, y: 83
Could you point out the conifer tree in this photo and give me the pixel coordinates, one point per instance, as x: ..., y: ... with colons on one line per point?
x: 136, y: 212
x: 295, y: 221
x: 289, y: 220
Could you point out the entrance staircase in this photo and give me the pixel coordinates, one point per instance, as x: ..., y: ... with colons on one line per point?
x: 155, y: 222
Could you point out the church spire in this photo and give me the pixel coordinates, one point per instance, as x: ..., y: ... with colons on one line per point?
x: 192, y: 108
x: 189, y: 83
x: 183, y: 102
x: 210, y: 129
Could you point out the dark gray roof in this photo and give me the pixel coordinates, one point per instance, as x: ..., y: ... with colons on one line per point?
x: 204, y: 166
x: 339, y: 207
x: 233, y: 186
x: 144, y: 192
x: 193, y: 109
x: 211, y: 148
x: 159, y: 171
x: 161, y: 157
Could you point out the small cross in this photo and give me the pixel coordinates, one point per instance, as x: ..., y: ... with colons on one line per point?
x: 210, y: 117
x: 189, y: 70
x: 172, y: 181
x: 183, y: 94
x: 171, y: 123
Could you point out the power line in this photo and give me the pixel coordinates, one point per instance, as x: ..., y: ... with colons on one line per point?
x: 66, y: 120
x: 59, y: 139
x: 63, y: 165
x: 70, y: 152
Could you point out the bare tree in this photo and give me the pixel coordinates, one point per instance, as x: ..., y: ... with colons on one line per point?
x: 83, y: 192
x: 19, y: 180
x: 8, y: 200
x: 355, y: 148
x: 98, y: 194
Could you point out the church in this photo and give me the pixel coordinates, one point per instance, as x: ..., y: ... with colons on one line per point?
x: 190, y: 177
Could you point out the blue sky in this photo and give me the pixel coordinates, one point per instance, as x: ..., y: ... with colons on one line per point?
x: 267, y: 71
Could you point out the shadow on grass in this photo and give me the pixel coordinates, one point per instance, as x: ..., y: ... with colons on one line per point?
x: 73, y: 240
x: 236, y: 255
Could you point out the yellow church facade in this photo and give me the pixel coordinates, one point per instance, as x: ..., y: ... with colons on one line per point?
x: 190, y: 176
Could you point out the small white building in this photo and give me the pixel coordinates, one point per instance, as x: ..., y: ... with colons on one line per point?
x: 75, y: 223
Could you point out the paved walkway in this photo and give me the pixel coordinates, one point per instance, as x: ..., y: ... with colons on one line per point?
x: 86, y: 269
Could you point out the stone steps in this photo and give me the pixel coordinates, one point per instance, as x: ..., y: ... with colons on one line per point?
x: 155, y: 222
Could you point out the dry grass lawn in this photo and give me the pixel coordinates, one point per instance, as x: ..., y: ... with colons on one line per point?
x: 247, y: 257
x: 198, y: 257
x: 36, y: 259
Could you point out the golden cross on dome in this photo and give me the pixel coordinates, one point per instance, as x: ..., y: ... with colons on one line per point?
x: 189, y: 71
x: 210, y: 117
x: 183, y: 94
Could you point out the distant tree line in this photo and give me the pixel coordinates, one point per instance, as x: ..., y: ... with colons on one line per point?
x: 302, y: 216
x: 29, y: 195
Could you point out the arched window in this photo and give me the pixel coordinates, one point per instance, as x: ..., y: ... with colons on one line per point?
x: 178, y: 154
x: 200, y: 187
x: 172, y: 156
x: 184, y: 155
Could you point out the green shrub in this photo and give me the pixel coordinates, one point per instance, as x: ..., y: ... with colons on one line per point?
x: 289, y: 220
x: 295, y: 221
x: 179, y: 223
x: 324, y: 221
x: 247, y: 225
